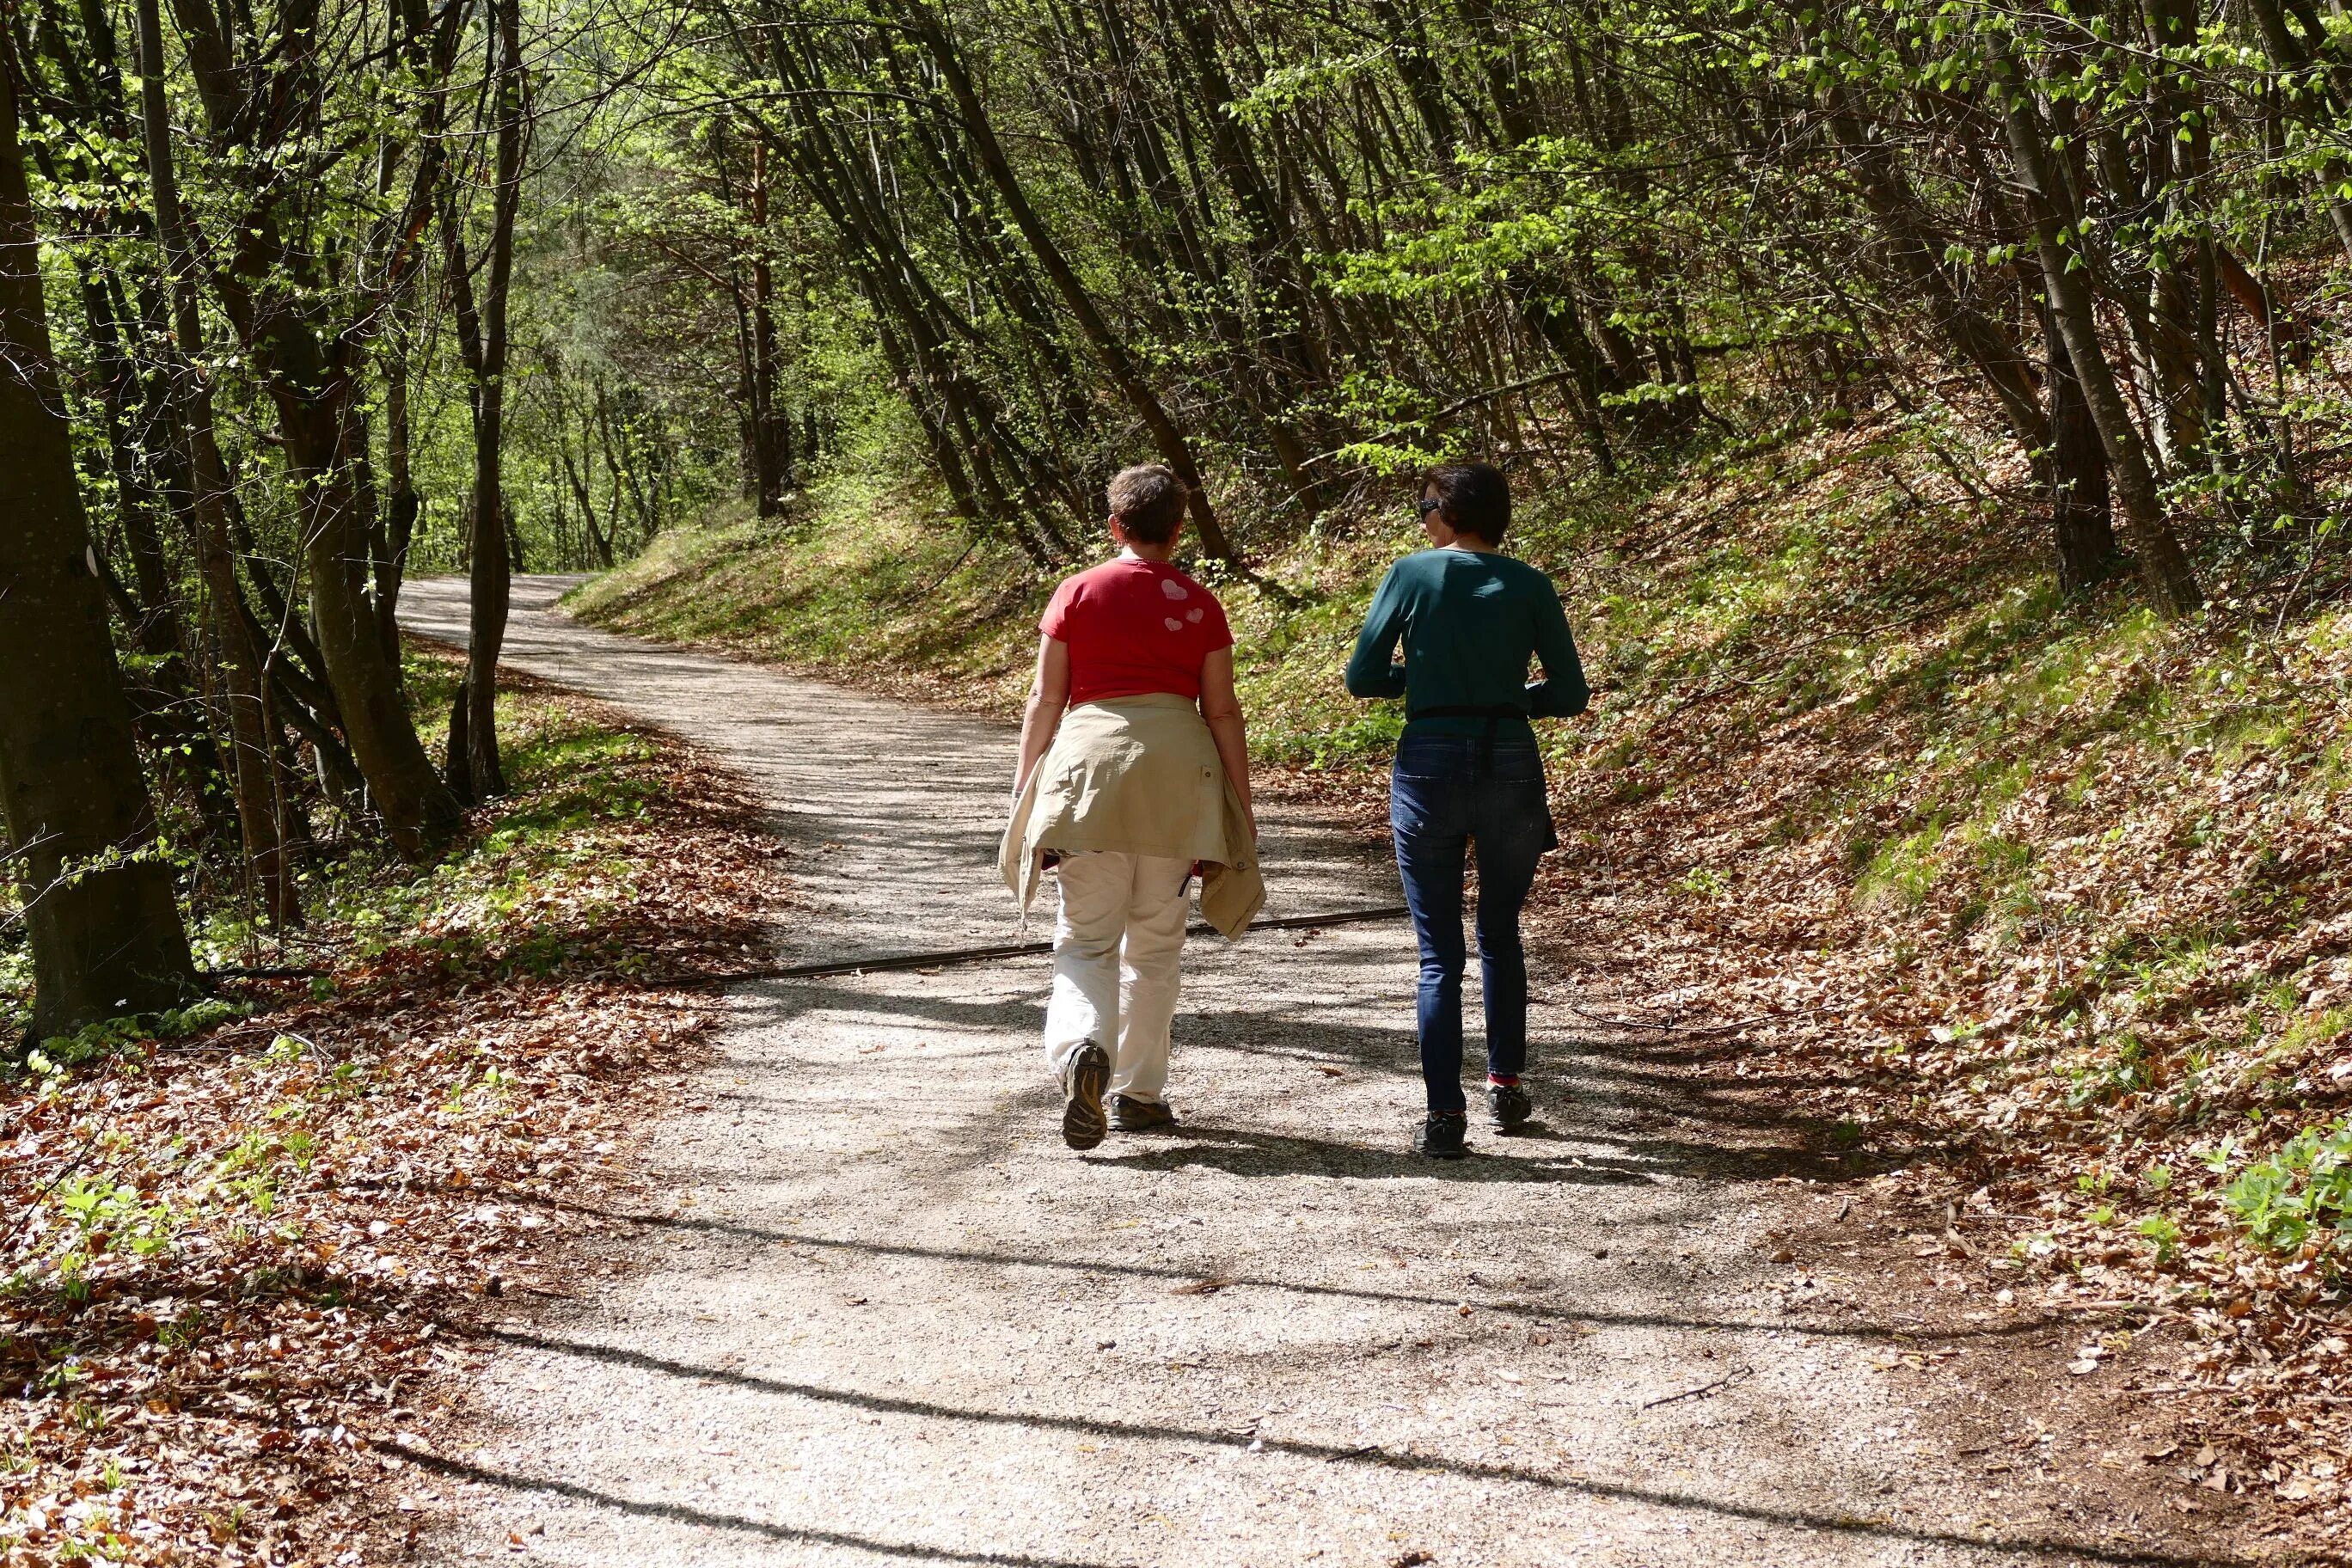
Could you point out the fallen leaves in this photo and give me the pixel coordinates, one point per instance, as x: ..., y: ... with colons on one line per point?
x: 243, y: 1259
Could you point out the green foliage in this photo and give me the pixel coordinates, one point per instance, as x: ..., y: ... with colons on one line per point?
x: 2301, y: 1192
x: 482, y: 910
x: 117, y: 1037
x: 2127, y: 1069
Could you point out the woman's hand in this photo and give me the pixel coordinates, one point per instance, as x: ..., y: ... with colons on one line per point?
x: 1049, y: 694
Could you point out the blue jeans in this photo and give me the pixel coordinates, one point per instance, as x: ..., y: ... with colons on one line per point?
x: 1449, y: 791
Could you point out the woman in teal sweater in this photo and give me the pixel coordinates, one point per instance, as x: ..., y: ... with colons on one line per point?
x: 1469, y: 619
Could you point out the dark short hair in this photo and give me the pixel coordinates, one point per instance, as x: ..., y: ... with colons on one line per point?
x: 1149, y: 501
x: 1475, y: 498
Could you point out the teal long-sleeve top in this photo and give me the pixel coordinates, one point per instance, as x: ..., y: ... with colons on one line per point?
x: 1469, y: 622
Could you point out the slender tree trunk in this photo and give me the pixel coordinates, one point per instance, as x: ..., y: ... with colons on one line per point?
x: 402, y: 506
x: 313, y: 375
x: 2289, y: 53
x: 597, y: 540
x: 151, y: 481
x: 106, y: 934
x: 2081, y: 515
x: 482, y: 336
x: 1918, y: 249
x: 772, y: 430
x: 244, y: 683
x: 2164, y: 566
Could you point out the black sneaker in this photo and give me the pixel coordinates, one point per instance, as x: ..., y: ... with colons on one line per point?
x: 1440, y: 1138
x: 1509, y: 1104
x: 1128, y: 1114
x: 1081, y: 1096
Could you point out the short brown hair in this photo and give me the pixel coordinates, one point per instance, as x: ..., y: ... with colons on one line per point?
x: 1475, y: 498
x: 1149, y: 501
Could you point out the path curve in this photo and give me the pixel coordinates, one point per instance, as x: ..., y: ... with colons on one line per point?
x: 877, y: 1313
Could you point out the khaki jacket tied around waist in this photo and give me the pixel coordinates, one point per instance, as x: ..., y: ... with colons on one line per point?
x: 1140, y: 776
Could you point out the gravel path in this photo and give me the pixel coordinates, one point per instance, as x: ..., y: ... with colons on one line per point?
x: 877, y: 1312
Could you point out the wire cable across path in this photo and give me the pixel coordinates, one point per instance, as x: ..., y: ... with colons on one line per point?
x: 1009, y: 949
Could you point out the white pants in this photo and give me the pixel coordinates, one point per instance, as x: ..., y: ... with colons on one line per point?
x: 1117, y: 942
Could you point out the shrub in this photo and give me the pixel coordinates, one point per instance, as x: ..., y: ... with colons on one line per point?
x: 2304, y: 1187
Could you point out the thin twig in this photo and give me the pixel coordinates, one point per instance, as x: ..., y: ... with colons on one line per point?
x: 1725, y: 1381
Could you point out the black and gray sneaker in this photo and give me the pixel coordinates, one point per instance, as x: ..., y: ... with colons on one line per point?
x: 1083, y: 1081
x: 1128, y: 1114
x: 1509, y: 1106
x: 1440, y: 1137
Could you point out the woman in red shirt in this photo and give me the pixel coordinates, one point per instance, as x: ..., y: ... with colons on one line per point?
x: 1155, y: 783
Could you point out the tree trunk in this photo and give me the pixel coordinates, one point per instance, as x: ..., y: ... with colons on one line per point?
x: 597, y: 540
x: 106, y: 934
x: 771, y: 429
x: 1918, y: 248
x: 402, y: 506
x: 244, y: 686
x: 2080, y: 516
x: 2289, y: 53
x: 482, y: 338
x: 150, y: 481
x: 2164, y: 566
x: 456, y: 767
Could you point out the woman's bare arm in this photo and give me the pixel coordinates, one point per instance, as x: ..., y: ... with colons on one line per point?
x: 1223, y: 710
x: 1048, y: 695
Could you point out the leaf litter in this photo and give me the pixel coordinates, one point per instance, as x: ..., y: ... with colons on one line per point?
x: 245, y: 1260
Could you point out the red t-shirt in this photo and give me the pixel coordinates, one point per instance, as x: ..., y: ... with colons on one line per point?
x: 1135, y: 627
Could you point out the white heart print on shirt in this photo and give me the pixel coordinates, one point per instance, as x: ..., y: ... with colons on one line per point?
x: 1173, y: 589
x: 1173, y: 624
x: 1196, y: 614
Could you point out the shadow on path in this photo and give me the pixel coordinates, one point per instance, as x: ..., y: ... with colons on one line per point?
x: 1405, y: 1462
x: 680, y: 1513
x: 1513, y: 1307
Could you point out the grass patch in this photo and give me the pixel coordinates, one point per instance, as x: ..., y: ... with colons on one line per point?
x: 867, y: 582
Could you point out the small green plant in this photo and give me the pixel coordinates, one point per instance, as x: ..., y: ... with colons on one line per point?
x: 183, y: 1330
x: 2165, y: 1232
x: 1702, y: 882
x: 2301, y: 1192
x: 126, y: 1038
x: 1904, y: 872
x: 2130, y: 1071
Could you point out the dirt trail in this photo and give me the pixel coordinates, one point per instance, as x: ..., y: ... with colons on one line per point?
x: 877, y: 1312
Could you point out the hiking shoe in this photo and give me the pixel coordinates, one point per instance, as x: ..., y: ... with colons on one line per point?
x: 1081, y: 1096
x: 1128, y: 1114
x: 1509, y: 1106
x: 1440, y: 1138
